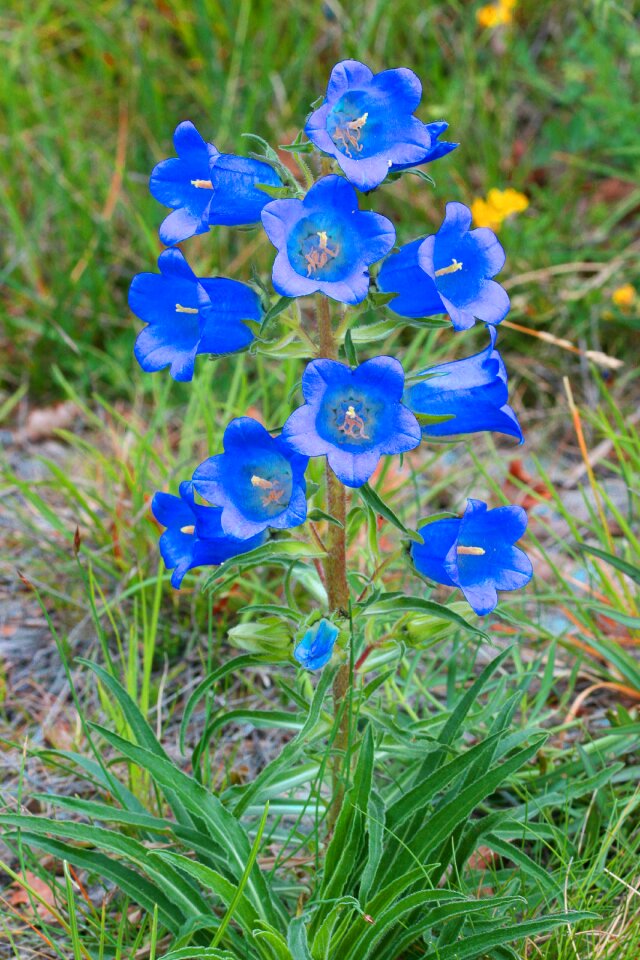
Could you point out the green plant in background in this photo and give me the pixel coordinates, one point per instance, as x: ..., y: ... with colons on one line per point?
x: 393, y: 814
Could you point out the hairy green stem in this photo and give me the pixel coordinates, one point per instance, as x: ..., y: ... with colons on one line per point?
x: 335, y: 569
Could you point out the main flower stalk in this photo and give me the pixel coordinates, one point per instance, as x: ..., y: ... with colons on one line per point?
x: 335, y: 571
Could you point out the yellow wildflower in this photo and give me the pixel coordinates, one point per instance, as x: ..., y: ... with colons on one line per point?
x: 624, y: 297
x: 498, y: 205
x: 497, y: 14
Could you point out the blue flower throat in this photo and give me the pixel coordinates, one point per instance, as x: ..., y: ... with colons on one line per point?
x: 270, y: 488
x: 350, y: 420
x: 346, y: 123
x: 318, y: 251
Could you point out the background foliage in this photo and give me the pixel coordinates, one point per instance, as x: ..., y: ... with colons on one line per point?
x: 90, y: 94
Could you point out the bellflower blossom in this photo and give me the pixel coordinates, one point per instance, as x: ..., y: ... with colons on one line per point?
x: 206, y: 187
x: 187, y: 316
x: 472, y: 391
x: 316, y: 647
x: 449, y: 272
x: 194, y: 535
x: 352, y: 416
x: 258, y: 481
x: 366, y: 123
x: 325, y: 243
x: 476, y: 553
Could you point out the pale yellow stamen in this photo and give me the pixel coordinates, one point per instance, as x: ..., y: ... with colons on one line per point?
x: 181, y: 309
x: 319, y: 258
x: 261, y: 482
x: 189, y: 529
x: 470, y: 551
x: 202, y: 184
x: 452, y: 268
x: 350, y: 134
x: 274, y: 489
x: 353, y: 425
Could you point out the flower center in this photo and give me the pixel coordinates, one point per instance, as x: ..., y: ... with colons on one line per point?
x: 349, y: 134
x: 202, y: 184
x: 352, y: 425
x: 181, y: 309
x: 274, y: 491
x: 318, y: 252
x: 452, y: 268
x: 470, y: 551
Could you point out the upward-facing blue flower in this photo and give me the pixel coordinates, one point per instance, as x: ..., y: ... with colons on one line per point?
x: 366, y: 123
x: 316, y: 647
x: 194, y: 536
x: 206, y: 187
x: 476, y: 553
x: 449, y: 272
x: 187, y: 316
x: 473, y: 392
x: 258, y: 481
x: 325, y: 243
x: 353, y: 417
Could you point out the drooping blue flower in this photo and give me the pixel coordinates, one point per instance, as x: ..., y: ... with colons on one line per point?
x: 472, y: 391
x: 194, y: 536
x: 352, y: 416
x: 316, y: 647
x: 258, y: 481
x: 205, y: 187
x: 366, y: 123
x: 187, y: 316
x: 325, y: 243
x: 476, y: 553
x: 449, y: 272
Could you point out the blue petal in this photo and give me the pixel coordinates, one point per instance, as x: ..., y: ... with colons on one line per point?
x: 401, y: 273
x: 316, y: 647
x: 182, y: 224
x: 224, y: 305
x: 171, y: 511
x: 236, y: 196
x: 401, y: 87
x: 353, y: 469
x: 473, y: 391
x: 429, y: 556
x: 382, y: 373
x: 481, y: 597
x: 159, y: 346
x: 345, y: 75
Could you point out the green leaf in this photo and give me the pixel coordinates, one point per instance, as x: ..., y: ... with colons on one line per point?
x: 232, y: 666
x: 231, y: 844
x: 238, y: 895
x: 297, y: 939
x: 380, y: 299
x: 424, y: 419
x: 627, y: 568
x: 140, y: 728
x: 290, y: 753
x: 183, y: 894
x: 204, y: 953
x: 375, y: 502
x: 392, y: 604
x: 275, y: 551
x: 316, y: 515
x: 277, y: 193
x: 477, y: 946
x: 350, y: 350
x: 274, y: 310
x: 133, y: 884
